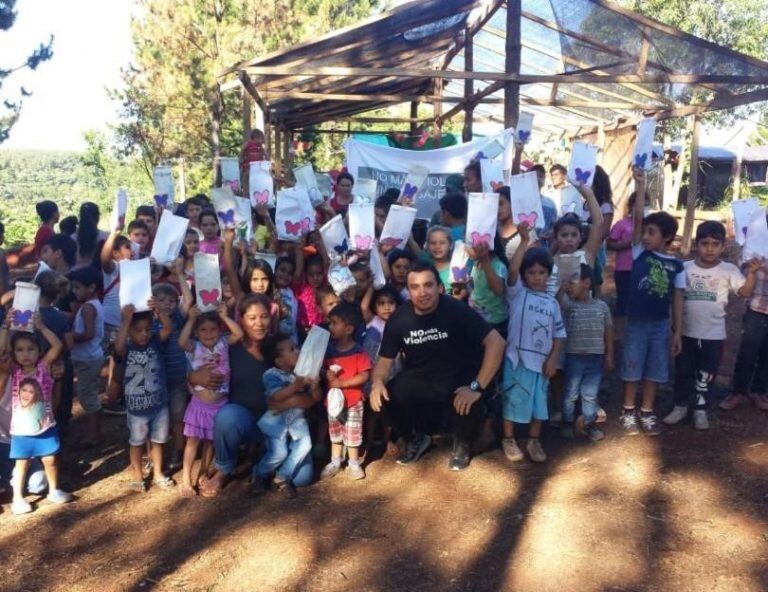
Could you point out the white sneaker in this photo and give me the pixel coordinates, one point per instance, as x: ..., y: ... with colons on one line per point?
x: 535, y: 451
x: 511, y: 450
x: 677, y: 415
x: 700, y: 420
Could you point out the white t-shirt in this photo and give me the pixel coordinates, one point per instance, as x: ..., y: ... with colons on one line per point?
x: 706, y: 294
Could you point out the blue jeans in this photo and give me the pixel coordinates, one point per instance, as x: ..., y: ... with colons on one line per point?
x: 583, y: 374
x: 234, y: 426
x: 283, y: 457
x: 646, y: 351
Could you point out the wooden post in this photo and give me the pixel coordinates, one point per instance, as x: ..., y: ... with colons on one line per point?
x: 693, y: 186
x: 247, y: 115
x: 466, y: 132
x: 512, y: 63
x: 437, y: 106
x: 287, y: 139
x: 414, y: 116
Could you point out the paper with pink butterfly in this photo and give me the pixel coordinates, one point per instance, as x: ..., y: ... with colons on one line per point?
x: 335, y: 237
x: 397, y: 226
x: 26, y: 301
x: 119, y: 209
x: 459, y: 270
x: 261, y: 186
x: 361, y: 226
x: 230, y: 173
x: 482, y: 209
x: 413, y: 183
x: 583, y: 163
x: 162, y: 177
x: 224, y: 203
x: 491, y: 174
x: 525, y: 200
x: 207, y: 281
x: 305, y: 176
x: 643, y: 154
x: 135, y: 285
x: 169, y: 238
x: 294, y: 215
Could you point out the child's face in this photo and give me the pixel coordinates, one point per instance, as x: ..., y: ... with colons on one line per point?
x: 505, y: 210
x: 140, y: 332
x: 284, y: 275
x: 82, y: 292
x: 471, y: 182
x: 209, y: 226
x: 363, y: 279
x: 315, y: 276
x: 140, y: 237
x: 709, y: 249
x: 149, y: 221
x: 287, y: 355
x: 123, y: 253
x: 380, y: 215
x: 568, y: 238
x: 166, y: 303
x: 226, y: 290
x: 191, y: 244
x: 26, y: 353
x: 49, y: 256
x: 439, y: 246
x: 208, y: 333
x: 653, y: 240
x: 328, y: 302
x: 400, y: 269
x: 385, y: 306
x: 193, y: 213
x: 535, y: 277
x: 27, y: 395
x: 259, y: 282
x: 338, y: 329
x: 578, y: 289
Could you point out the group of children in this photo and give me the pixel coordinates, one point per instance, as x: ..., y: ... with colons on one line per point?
x: 560, y: 340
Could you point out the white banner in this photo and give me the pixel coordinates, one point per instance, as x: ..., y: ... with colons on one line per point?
x: 389, y: 166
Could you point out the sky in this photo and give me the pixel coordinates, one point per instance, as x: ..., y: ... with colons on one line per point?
x: 92, y: 42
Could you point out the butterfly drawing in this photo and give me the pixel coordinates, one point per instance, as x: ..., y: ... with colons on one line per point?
x: 523, y: 135
x: 582, y: 176
x: 391, y: 241
x: 234, y: 185
x: 297, y: 228
x: 21, y: 318
x: 529, y: 219
x: 479, y: 155
x: 341, y: 248
x: 363, y: 242
x: 460, y: 275
x: 496, y: 185
x: 161, y: 200
x: 227, y: 217
x: 480, y: 239
x: 641, y: 159
x: 260, y: 198
x: 314, y: 195
x: 409, y: 191
x: 209, y: 296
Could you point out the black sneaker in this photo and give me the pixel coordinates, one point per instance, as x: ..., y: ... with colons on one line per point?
x: 416, y: 446
x: 116, y: 408
x: 593, y: 432
x: 258, y: 485
x: 460, y: 458
x: 649, y: 423
x: 628, y: 421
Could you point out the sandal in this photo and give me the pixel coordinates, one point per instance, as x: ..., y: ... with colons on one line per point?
x: 138, y: 486
x: 207, y: 489
x: 164, y: 483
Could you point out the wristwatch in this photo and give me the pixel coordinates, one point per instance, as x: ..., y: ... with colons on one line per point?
x: 475, y: 386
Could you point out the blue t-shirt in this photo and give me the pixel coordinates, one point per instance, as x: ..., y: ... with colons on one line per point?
x: 145, y: 386
x: 174, y: 358
x: 654, y: 278
x: 276, y: 380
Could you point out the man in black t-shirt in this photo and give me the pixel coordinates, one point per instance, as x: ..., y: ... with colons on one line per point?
x: 450, y: 357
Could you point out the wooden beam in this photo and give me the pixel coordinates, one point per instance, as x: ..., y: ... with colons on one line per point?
x: 245, y: 80
x: 723, y: 102
x: 437, y: 104
x: 693, y: 187
x: 642, y: 62
x: 469, y: 90
x: 513, y: 50
x: 414, y: 119
x: 446, y: 61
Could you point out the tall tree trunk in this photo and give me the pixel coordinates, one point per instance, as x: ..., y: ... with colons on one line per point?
x: 216, y: 104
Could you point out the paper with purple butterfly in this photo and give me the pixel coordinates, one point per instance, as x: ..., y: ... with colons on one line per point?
x: 305, y: 176
x: 261, y: 186
x: 230, y: 172
x: 119, y: 209
x: 361, y: 226
x: 643, y: 154
x: 169, y: 238
x: 397, y: 226
x: 26, y: 301
x: 482, y: 210
x: 525, y: 200
x: 335, y: 237
x: 135, y: 285
x: 742, y: 214
x: 224, y: 203
x: 524, y: 127
x: 492, y: 175
x: 294, y: 215
x: 459, y: 270
x: 583, y: 162
x: 162, y: 177
x: 207, y: 281
x: 413, y: 183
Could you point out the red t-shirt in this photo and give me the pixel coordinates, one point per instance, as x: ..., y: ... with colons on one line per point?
x: 352, y: 362
x: 43, y: 234
x: 252, y: 152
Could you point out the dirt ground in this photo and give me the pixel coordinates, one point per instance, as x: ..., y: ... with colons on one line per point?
x: 687, y: 511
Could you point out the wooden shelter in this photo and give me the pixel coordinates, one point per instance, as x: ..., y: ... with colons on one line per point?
x: 583, y: 67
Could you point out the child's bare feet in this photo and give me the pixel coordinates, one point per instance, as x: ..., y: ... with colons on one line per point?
x: 186, y: 490
x: 392, y: 449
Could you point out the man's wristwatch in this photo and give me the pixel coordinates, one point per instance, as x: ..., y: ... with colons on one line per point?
x: 475, y: 386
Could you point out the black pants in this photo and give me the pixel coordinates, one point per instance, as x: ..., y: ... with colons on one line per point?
x: 414, y: 408
x: 748, y: 372
x: 695, y: 369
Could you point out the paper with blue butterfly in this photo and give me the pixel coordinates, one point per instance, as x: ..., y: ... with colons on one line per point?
x: 335, y: 237
x: 459, y: 269
x: 340, y: 278
x: 643, y: 154
x: 162, y: 176
x: 305, y: 176
x: 413, y: 183
x: 169, y: 238
x: 135, y: 283
x: 742, y: 214
x: 524, y: 127
x: 583, y: 163
x: 26, y: 301
x: 224, y: 203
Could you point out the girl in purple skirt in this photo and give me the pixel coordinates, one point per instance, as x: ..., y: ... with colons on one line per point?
x: 209, y: 348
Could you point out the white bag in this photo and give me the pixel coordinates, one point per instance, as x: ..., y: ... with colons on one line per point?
x: 482, y: 210
x: 413, y: 182
x: 756, y: 244
x: 568, y: 267
x: 491, y: 175
x: 135, y: 284
x: 365, y: 190
x: 742, y: 213
x: 207, y: 281
x: 459, y: 273
x: 397, y: 226
x: 26, y: 302
x: 119, y: 209
x: 340, y: 278
x: 362, y: 226
x: 643, y: 154
x: 224, y: 204
x: 294, y: 216
x: 324, y: 184
x: 524, y: 127
x: 336, y: 402
x: 230, y: 173
x: 164, y: 191
x: 305, y: 176
x: 312, y: 353
x: 571, y: 201
x: 583, y: 163
x: 379, y: 279
x: 243, y: 219
x: 169, y: 238
x: 260, y: 184
x: 525, y: 200
x: 335, y: 236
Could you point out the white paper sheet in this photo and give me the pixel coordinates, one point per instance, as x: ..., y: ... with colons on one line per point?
x: 643, y: 154
x: 26, y: 302
x: 366, y: 190
x: 169, y: 238
x: 224, y: 204
x: 243, y: 219
x: 119, y: 209
x: 756, y: 244
x: 230, y: 173
x: 570, y: 201
x: 305, y: 176
x: 491, y: 174
x: 294, y: 216
x: 397, y: 226
x: 361, y: 226
x: 459, y: 273
x: 568, y: 267
x: 335, y: 237
x: 164, y: 189
x: 207, y: 281
x: 583, y: 162
x: 482, y: 212
x: 312, y: 353
x: 340, y: 278
x: 525, y: 200
x: 413, y: 183
x: 260, y: 184
x: 742, y: 214
x: 524, y: 127
x: 379, y: 279
x: 135, y: 284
